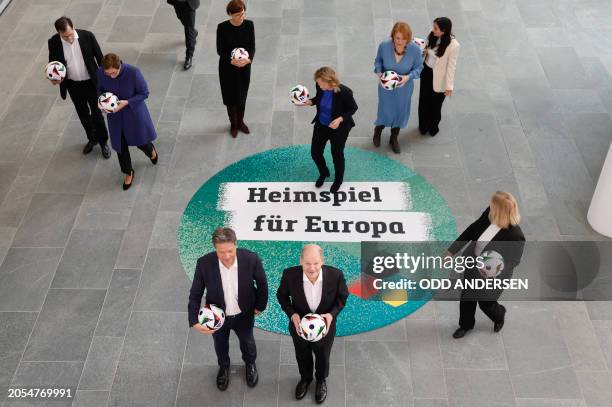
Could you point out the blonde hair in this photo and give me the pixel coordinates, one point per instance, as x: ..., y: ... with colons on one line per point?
x: 402, y: 28
x: 504, y: 210
x: 328, y: 75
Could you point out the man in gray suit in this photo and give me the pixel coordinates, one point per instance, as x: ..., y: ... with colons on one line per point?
x: 186, y: 11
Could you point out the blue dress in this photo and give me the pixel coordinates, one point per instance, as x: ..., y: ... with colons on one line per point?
x: 394, y: 105
x: 133, y: 120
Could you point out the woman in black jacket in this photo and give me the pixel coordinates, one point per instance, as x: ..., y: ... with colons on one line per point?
x: 334, y: 120
x: 496, y: 230
x: 235, y: 74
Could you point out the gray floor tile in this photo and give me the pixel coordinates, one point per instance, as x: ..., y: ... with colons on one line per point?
x: 25, y: 276
x: 563, y: 68
x: 48, y: 220
x: 65, y: 326
x: 164, y: 286
x: 101, y: 363
x: 90, y: 398
x: 129, y: 29
x: 13, y: 337
x: 48, y: 374
x: 118, y: 303
x: 199, y: 380
x: 88, y: 259
x: 159, y: 355
x: 477, y: 387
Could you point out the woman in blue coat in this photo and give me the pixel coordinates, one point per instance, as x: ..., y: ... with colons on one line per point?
x: 402, y: 55
x: 130, y: 124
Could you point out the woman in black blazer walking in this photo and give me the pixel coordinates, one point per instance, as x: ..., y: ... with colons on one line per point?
x: 334, y: 120
x: 493, y: 231
x: 235, y: 74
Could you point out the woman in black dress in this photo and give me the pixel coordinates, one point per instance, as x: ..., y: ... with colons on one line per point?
x: 235, y: 74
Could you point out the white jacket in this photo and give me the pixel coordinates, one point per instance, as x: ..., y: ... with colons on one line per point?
x: 444, y: 70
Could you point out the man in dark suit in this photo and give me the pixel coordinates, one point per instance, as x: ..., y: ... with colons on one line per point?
x: 80, y: 53
x: 234, y: 280
x: 312, y: 288
x: 186, y: 12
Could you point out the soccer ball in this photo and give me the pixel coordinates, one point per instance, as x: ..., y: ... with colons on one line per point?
x: 313, y: 327
x: 298, y: 95
x: 55, y: 71
x: 420, y: 42
x: 493, y: 264
x: 211, y: 316
x: 108, y: 102
x: 240, y: 53
x: 389, y: 80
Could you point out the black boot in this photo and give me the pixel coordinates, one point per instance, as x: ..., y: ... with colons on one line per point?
x: 377, y: 133
x: 240, y: 120
x: 394, y: 143
x: 232, y: 114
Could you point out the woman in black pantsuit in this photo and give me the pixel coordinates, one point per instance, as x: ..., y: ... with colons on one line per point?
x: 235, y: 75
x: 496, y: 230
x: 334, y: 120
x: 438, y: 74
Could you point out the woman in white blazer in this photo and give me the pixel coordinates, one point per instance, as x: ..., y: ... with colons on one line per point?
x: 438, y: 75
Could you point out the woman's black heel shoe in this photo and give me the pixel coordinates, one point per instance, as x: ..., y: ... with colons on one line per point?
x: 127, y: 186
x: 154, y: 160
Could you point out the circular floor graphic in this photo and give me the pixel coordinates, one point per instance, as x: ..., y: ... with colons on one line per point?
x: 270, y: 200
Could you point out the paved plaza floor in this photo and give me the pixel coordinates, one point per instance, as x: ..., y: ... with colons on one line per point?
x: 92, y: 291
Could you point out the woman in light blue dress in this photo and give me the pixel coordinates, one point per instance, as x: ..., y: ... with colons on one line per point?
x: 402, y: 55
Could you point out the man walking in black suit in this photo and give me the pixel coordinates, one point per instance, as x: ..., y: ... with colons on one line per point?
x: 234, y: 280
x: 186, y: 12
x: 80, y: 53
x: 317, y: 288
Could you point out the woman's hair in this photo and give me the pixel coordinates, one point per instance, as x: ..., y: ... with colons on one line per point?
x: 504, y: 210
x: 111, y: 61
x: 446, y: 26
x: 402, y: 28
x: 327, y: 74
x: 235, y: 6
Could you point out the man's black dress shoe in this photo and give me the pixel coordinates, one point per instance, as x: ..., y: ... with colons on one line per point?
x: 499, y: 325
x: 321, y: 180
x: 88, y: 147
x: 335, y: 187
x: 105, y: 151
x: 460, y: 333
x: 251, y: 374
x: 301, y: 389
x: 321, y: 391
x: 223, y: 378
x: 188, y: 63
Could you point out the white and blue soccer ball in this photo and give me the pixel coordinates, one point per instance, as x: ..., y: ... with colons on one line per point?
x: 211, y: 316
x: 313, y: 327
x: 298, y: 94
x: 239, y: 54
x: 55, y: 71
x: 389, y: 80
x: 108, y: 102
x: 493, y: 264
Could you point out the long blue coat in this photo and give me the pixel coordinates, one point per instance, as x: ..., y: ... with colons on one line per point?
x: 133, y: 120
x: 394, y: 105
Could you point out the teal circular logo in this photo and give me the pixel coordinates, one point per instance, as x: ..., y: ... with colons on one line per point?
x: 269, y: 199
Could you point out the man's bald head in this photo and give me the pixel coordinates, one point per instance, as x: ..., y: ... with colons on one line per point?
x: 311, y: 260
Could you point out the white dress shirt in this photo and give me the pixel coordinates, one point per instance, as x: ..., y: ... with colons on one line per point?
x: 485, y: 238
x: 313, y: 291
x: 229, y: 281
x: 75, y: 64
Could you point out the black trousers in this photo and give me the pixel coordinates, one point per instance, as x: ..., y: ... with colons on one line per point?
x: 321, y: 350
x: 125, y: 161
x: 467, y: 309
x: 85, y: 99
x: 337, y: 139
x: 430, y: 102
x: 186, y: 16
x: 242, y: 325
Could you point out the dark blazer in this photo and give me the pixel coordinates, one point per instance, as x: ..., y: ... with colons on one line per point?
x: 92, y: 54
x: 252, y: 284
x: 511, y: 252
x: 194, y: 4
x: 343, y: 104
x: 292, y: 298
